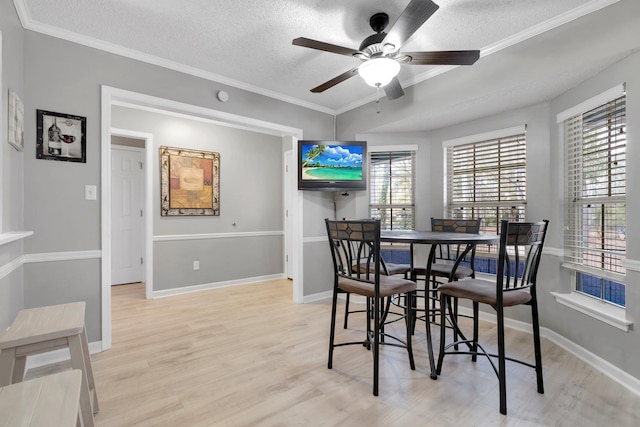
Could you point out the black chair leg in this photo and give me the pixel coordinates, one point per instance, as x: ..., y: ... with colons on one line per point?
x: 502, y: 368
x: 409, y: 318
x: 474, y: 347
x: 346, y: 311
x: 443, y: 330
x: 370, y: 315
x: 454, y: 314
x: 332, y: 333
x: 376, y: 342
x: 384, y: 313
x: 427, y: 323
x: 536, y: 345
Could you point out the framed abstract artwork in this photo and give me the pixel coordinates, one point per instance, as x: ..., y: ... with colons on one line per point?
x: 61, y: 137
x: 16, y: 121
x: 189, y: 182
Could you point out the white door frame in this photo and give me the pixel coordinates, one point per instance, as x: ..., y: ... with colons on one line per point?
x: 147, y: 204
x: 288, y: 244
x: 113, y: 96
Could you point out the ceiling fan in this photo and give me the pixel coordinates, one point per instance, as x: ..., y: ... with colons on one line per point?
x: 381, y: 51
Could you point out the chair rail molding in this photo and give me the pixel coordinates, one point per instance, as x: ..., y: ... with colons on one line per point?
x: 631, y: 264
x: 62, y: 256
x: 11, y: 266
x: 19, y: 261
x: 206, y: 236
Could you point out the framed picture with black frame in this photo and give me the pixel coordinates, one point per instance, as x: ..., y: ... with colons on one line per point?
x: 61, y: 137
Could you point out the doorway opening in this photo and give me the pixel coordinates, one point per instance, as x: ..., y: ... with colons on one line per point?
x: 118, y: 97
x: 127, y: 210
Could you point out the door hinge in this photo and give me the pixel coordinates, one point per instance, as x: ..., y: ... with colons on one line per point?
x: 141, y: 212
x: 141, y: 260
x: 141, y: 167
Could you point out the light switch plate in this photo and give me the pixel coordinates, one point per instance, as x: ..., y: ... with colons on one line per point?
x: 90, y: 192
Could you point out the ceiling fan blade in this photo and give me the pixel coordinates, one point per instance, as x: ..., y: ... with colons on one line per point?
x: 334, y: 81
x: 393, y: 89
x: 326, y: 47
x: 444, y: 57
x: 412, y: 17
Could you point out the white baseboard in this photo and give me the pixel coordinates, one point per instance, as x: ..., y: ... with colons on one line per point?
x: 207, y: 286
x: 610, y: 370
x: 317, y: 297
x: 57, y: 356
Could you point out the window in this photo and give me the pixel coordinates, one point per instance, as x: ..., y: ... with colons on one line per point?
x: 595, y: 223
x: 486, y: 178
x: 391, y: 188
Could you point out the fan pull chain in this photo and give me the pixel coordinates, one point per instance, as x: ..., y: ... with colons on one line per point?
x: 378, y: 98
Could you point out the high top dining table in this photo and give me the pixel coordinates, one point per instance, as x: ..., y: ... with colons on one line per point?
x: 434, y: 238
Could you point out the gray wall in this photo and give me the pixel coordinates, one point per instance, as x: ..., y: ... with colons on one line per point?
x: 251, y: 197
x: 545, y: 200
x: 11, y: 167
x: 54, y: 203
x: 613, y: 345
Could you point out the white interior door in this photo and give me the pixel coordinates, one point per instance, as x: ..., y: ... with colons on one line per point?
x: 126, y: 215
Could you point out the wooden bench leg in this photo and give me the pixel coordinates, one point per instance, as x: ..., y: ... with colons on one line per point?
x: 19, y: 369
x: 7, y: 362
x: 77, y: 362
x: 87, y: 362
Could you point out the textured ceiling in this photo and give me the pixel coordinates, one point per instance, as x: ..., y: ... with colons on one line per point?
x: 247, y: 43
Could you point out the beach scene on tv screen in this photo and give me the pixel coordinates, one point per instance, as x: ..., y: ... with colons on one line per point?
x: 331, y: 162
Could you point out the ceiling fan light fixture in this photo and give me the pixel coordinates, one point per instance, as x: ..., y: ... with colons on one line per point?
x: 379, y: 72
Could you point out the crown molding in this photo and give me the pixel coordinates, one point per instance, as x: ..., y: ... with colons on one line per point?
x: 557, y: 21
x: 500, y: 45
x: 29, y: 24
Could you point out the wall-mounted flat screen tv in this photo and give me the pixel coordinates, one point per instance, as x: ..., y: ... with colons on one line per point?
x: 332, y: 165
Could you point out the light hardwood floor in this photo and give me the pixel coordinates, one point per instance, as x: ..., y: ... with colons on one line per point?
x: 249, y: 356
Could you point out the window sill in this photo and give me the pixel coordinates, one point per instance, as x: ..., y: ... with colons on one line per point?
x: 12, y: 236
x: 604, y: 312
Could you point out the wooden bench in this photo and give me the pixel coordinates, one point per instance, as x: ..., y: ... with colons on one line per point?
x: 51, y: 400
x: 43, y: 329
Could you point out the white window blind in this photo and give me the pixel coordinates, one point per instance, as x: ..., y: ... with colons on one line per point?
x: 391, y: 189
x: 595, y: 223
x: 487, y: 179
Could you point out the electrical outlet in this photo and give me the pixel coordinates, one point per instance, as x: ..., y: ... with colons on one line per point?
x: 196, y: 265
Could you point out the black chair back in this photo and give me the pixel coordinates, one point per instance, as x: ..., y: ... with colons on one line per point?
x: 519, y: 256
x: 355, y: 248
x: 452, y: 252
